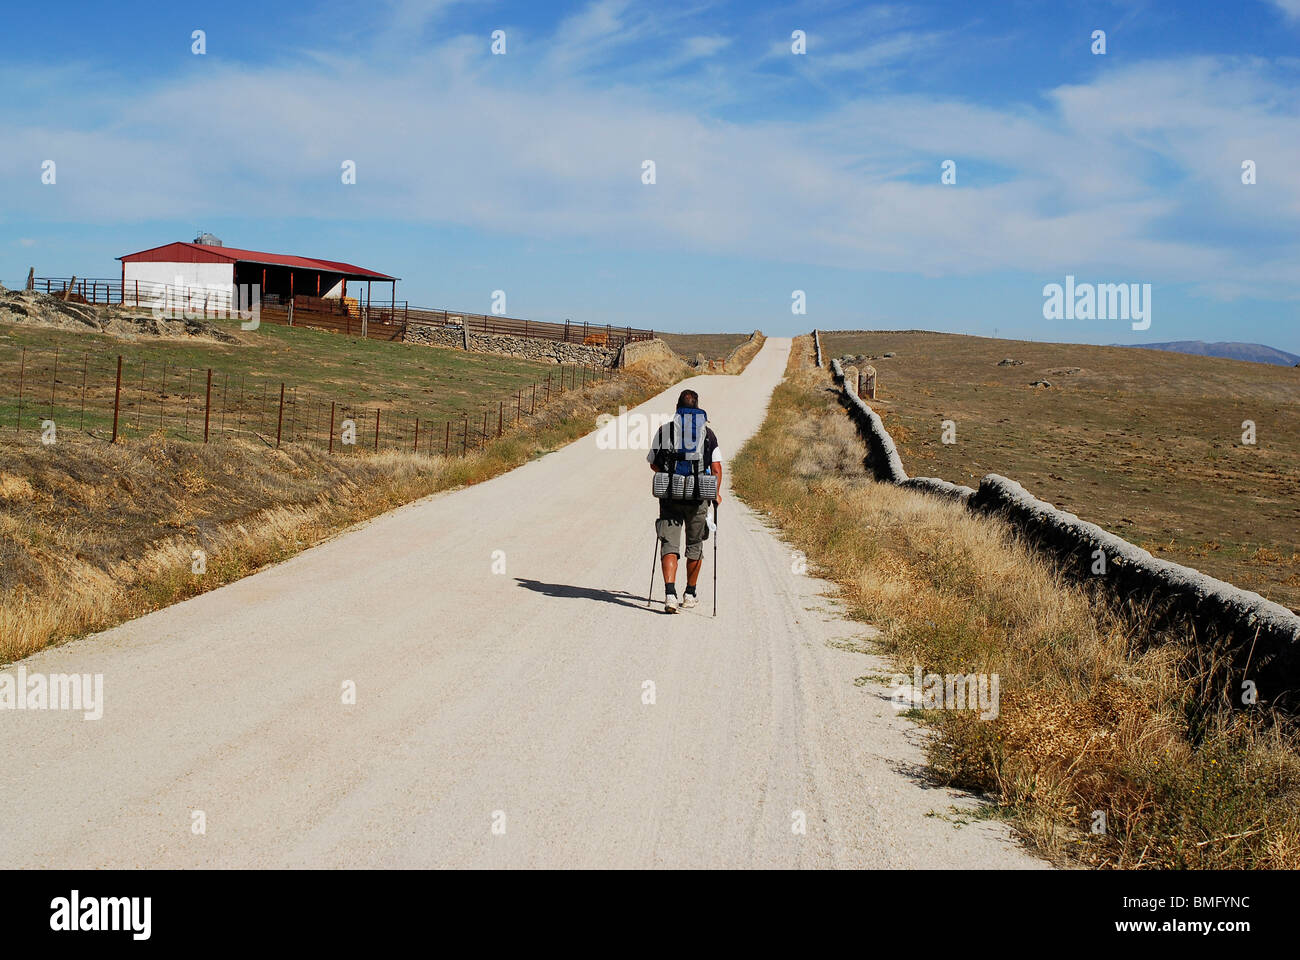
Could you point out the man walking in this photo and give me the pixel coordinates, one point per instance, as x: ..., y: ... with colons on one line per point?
x: 678, y: 517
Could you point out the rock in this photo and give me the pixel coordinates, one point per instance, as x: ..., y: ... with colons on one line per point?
x: 1008, y: 362
x: 43, y: 309
x: 1041, y: 383
x: 888, y: 355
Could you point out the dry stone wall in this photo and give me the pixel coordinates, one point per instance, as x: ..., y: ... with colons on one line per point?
x: 529, y: 348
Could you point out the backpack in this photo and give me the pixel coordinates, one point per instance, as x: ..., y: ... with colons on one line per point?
x: 682, y: 468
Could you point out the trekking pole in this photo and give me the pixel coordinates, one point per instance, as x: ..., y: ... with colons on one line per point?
x: 653, y: 557
x: 717, y: 509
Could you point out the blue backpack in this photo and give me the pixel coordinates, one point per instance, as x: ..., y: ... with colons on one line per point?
x: 684, y: 475
x: 689, y: 432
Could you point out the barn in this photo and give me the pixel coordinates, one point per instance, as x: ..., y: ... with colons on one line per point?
x: 207, y: 263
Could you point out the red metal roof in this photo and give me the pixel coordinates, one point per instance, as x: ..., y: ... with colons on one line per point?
x: 203, y: 253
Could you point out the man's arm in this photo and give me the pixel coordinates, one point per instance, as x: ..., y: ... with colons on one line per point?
x: 654, y: 450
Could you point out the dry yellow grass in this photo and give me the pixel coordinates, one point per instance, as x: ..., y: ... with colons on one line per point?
x: 92, y: 534
x: 1095, y: 714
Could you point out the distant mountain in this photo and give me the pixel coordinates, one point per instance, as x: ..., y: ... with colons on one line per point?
x: 1232, y: 350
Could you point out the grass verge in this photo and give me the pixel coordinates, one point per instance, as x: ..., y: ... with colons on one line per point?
x: 1097, y: 716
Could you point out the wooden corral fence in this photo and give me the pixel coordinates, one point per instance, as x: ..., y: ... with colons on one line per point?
x: 378, y: 320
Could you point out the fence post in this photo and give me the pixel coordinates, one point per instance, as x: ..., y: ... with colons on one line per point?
x: 417, y: 435
x: 139, y: 410
x: 376, y: 429
x: 85, y: 362
x: 533, y: 409
x: 501, y: 409
x: 279, y: 423
x: 207, y: 404
x: 54, y: 378
x: 162, y: 400
x: 446, y: 440
x: 117, y: 396
x: 464, y: 436
x: 22, y: 371
x: 225, y: 395
x: 331, y: 450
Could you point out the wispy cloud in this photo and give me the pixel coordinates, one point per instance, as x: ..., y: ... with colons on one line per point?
x: 1289, y: 8
x: 1137, y: 170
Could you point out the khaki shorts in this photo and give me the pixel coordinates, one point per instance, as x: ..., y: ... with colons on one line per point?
x: 676, y: 516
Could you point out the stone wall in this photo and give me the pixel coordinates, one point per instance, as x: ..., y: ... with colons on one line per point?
x: 882, y: 454
x: 1265, y: 635
x: 529, y: 348
x: 640, y: 350
x: 738, y: 359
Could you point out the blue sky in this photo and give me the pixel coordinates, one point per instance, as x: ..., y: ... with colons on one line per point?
x: 775, y: 172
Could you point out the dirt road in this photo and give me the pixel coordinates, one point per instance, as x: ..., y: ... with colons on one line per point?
x: 500, y: 718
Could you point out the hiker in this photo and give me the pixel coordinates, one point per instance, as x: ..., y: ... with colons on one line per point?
x: 684, y: 450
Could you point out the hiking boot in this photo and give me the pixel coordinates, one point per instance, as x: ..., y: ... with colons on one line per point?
x: 670, y: 603
x: 690, y: 600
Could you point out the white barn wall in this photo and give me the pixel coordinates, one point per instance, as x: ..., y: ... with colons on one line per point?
x: 190, y: 274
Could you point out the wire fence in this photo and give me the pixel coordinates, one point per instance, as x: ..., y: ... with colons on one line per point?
x: 44, y: 393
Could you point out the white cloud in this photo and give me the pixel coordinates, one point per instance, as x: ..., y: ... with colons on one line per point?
x: 1290, y: 8
x: 705, y: 46
x: 1137, y: 171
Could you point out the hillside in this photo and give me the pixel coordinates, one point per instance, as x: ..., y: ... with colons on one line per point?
x: 1147, y: 444
x: 1228, y: 350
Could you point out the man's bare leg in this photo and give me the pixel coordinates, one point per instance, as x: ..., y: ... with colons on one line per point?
x: 670, y: 567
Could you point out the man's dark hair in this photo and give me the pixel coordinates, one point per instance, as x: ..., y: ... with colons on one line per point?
x: 688, y: 398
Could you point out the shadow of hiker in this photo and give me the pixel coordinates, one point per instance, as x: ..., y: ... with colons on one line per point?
x: 621, y: 597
